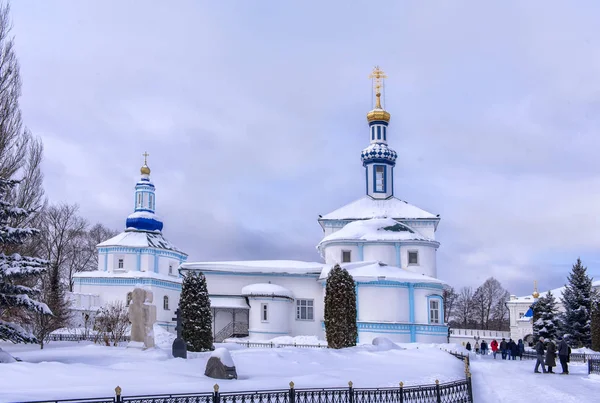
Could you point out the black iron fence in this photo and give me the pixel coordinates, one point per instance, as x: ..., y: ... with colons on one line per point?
x: 449, y: 392
x: 594, y: 366
x: 84, y: 337
x: 251, y: 344
x: 574, y: 357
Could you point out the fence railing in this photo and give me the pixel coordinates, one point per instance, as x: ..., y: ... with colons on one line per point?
x: 594, y: 366
x: 457, y: 391
x: 255, y: 344
x: 574, y: 357
x: 83, y: 337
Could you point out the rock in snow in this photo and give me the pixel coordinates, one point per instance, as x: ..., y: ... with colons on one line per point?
x: 220, y: 365
x: 385, y: 344
x: 6, y: 358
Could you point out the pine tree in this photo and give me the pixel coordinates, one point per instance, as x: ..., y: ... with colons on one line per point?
x: 340, y: 309
x: 577, y: 301
x: 545, y: 321
x: 16, y: 271
x: 196, y: 316
x: 596, y: 324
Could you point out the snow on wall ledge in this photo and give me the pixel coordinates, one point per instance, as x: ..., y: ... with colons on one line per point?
x: 263, y: 289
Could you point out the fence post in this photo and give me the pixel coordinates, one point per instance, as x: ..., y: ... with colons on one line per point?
x: 216, y: 397
x: 584, y: 358
x: 438, y: 394
x: 401, y: 392
x: 118, y: 394
x: 589, y: 367
x: 292, y: 398
x: 350, y: 392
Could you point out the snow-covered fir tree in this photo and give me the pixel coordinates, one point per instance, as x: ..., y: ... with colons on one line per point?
x: 196, y: 315
x: 16, y: 271
x: 545, y: 319
x: 577, y: 301
x: 596, y: 324
x: 340, y: 309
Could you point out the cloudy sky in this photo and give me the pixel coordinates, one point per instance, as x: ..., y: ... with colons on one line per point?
x: 254, y: 117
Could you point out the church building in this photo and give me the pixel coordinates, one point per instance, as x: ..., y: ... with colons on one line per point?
x: 386, y: 244
x: 140, y: 256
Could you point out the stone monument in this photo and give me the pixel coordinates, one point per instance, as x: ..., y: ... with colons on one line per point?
x: 220, y: 365
x: 142, y: 315
x: 179, y: 345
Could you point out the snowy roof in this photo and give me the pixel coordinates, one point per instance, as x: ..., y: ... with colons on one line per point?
x: 375, y: 229
x: 257, y: 266
x: 557, y: 292
x: 128, y: 274
x: 374, y: 271
x: 228, y: 302
x: 367, y: 207
x: 263, y: 289
x: 140, y: 239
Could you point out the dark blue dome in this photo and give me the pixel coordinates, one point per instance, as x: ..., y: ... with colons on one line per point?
x: 144, y: 221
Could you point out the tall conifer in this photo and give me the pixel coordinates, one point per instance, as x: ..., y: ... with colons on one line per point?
x: 195, y: 311
x: 545, y: 322
x: 577, y: 301
x: 596, y: 324
x: 340, y: 309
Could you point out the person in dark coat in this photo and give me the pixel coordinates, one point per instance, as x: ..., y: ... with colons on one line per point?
x: 503, y: 347
x: 539, y: 351
x: 484, y: 347
x: 563, y: 355
x: 551, y: 356
x: 521, y: 346
x: 468, y: 347
x: 514, y: 349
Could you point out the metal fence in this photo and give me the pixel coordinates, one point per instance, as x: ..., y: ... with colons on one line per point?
x: 594, y: 366
x: 450, y: 392
x: 82, y: 337
x: 574, y: 357
x: 251, y: 344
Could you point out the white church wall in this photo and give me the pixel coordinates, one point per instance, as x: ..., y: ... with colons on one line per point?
x: 432, y: 338
x: 278, y: 320
x: 421, y: 304
x: 385, y: 253
x: 367, y: 337
x: 129, y: 262
x: 333, y: 253
x: 426, y: 259
x: 372, y: 299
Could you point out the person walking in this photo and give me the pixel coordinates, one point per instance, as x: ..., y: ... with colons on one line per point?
x: 521, y: 346
x: 477, y: 346
x: 551, y: 356
x: 494, y: 346
x: 468, y: 346
x: 539, y: 351
x: 514, y: 349
x: 484, y: 347
x: 563, y: 355
x: 503, y: 346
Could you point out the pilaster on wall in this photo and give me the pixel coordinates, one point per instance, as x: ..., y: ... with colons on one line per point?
x: 411, y: 311
x: 361, y: 252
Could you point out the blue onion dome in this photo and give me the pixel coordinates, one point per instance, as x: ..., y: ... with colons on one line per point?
x: 144, y: 221
x: 378, y: 152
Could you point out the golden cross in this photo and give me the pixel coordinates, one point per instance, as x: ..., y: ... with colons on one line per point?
x: 378, y: 75
x: 146, y: 155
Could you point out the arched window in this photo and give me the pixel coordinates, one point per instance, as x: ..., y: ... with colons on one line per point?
x: 129, y: 296
x: 166, y: 303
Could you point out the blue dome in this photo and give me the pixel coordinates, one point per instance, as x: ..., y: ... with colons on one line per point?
x: 144, y: 221
x: 378, y: 153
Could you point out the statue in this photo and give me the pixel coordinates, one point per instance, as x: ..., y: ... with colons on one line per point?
x: 179, y: 345
x: 142, y: 315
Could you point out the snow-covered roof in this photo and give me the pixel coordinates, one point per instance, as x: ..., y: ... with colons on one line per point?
x: 266, y: 289
x: 375, y: 229
x: 557, y: 292
x: 140, y: 239
x: 375, y: 271
x: 257, y: 266
x: 128, y: 274
x: 228, y: 302
x: 367, y: 207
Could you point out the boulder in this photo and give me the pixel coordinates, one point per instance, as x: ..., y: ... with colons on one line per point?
x: 220, y: 365
x: 6, y: 358
x: 385, y: 344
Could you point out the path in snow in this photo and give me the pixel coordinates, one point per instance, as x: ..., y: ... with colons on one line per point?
x: 514, y: 381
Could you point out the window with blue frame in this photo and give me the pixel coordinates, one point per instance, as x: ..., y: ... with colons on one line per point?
x: 379, y: 178
x: 434, y: 311
x: 384, y: 133
x: 378, y: 132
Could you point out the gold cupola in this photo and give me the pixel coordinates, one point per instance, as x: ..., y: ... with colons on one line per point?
x: 535, y: 294
x: 378, y: 114
x: 145, y: 170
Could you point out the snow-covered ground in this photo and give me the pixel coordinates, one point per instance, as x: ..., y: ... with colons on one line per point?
x: 76, y: 370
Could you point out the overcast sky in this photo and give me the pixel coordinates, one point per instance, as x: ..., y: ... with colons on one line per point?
x: 253, y: 113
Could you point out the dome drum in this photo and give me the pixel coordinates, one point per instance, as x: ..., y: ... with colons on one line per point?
x: 378, y: 153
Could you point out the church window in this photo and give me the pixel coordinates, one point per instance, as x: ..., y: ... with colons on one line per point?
x: 379, y: 178
x: 139, y: 200
x: 166, y: 303
x: 120, y: 264
x: 170, y: 268
x: 378, y: 132
x: 372, y: 132
x: 264, y: 312
x: 304, y: 309
x: 384, y: 133
x: 521, y: 314
x: 413, y: 257
x: 434, y: 311
x: 346, y: 256
x: 151, y: 202
x: 129, y: 296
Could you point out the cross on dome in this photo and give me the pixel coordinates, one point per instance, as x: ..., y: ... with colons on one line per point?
x: 145, y: 170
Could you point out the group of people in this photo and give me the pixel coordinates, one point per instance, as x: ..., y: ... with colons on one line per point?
x: 508, y: 349
x: 551, y: 350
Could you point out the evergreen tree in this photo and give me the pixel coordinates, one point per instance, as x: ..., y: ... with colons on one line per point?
x: 596, y: 324
x: 577, y: 301
x: 196, y: 316
x: 340, y: 309
x: 16, y: 271
x: 545, y: 321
